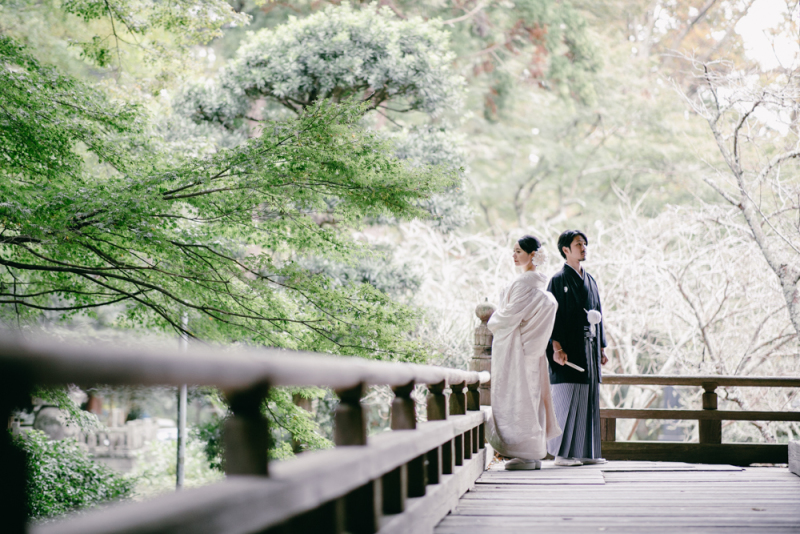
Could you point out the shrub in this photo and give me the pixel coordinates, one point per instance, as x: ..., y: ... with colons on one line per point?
x: 63, y: 478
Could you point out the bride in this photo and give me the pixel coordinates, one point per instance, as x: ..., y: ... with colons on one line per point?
x: 523, y: 417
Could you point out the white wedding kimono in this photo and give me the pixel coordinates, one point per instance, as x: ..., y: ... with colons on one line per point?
x: 523, y: 417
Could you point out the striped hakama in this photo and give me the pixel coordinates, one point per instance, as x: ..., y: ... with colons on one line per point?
x: 578, y: 412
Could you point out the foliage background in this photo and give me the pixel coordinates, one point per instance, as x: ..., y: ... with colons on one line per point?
x: 555, y: 115
x: 62, y: 478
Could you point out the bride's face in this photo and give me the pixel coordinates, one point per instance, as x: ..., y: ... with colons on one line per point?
x: 521, y: 257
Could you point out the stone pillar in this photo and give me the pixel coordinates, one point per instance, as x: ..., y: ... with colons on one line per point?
x: 482, y: 357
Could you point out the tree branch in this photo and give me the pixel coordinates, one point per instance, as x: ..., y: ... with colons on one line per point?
x: 469, y: 15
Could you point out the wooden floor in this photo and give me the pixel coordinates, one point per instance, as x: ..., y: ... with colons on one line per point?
x: 631, y: 498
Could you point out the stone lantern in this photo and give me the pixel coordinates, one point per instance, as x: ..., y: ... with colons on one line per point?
x: 482, y: 357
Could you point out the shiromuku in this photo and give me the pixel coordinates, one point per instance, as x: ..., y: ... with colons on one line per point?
x: 523, y: 417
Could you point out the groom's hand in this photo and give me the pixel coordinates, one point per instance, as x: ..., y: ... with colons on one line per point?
x: 603, y: 358
x: 559, y: 355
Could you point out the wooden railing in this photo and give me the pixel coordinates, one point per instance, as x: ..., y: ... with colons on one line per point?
x: 400, y: 481
x: 709, y: 449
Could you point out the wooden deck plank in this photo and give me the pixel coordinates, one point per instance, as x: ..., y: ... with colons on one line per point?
x: 626, y: 516
x: 665, y: 521
x: 636, y: 497
x: 594, y: 478
x: 648, y: 508
x: 673, y: 504
x: 577, y: 529
x: 611, y: 523
x: 622, y: 465
x: 476, y: 527
x: 569, y: 527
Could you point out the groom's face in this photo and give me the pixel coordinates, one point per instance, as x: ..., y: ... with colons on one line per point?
x: 577, y: 250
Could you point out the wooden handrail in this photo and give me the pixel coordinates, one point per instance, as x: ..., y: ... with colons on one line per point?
x: 363, y: 483
x: 47, y: 362
x: 710, y: 448
x: 698, y: 415
x: 293, y: 487
x: 717, y: 380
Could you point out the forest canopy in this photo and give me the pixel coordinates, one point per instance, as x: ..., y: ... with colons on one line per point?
x: 95, y: 212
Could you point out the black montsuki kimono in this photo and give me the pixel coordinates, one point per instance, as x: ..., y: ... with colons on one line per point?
x: 575, y: 296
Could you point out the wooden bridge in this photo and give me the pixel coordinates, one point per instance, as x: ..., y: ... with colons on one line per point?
x: 630, y: 498
x: 410, y: 479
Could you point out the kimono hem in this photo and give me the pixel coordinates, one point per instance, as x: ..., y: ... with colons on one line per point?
x: 578, y: 412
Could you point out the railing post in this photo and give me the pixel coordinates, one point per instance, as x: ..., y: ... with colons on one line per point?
x: 440, y: 459
x: 418, y: 475
x: 449, y: 456
x: 434, y: 465
x: 396, y: 482
x: 363, y: 508
x: 350, y: 421
x: 14, y: 394
x: 608, y: 429
x: 710, y: 431
x: 404, y: 414
x: 458, y: 399
x: 482, y: 356
x: 395, y: 490
x: 246, y: 433
x: 327, y: 519
x: 458, y: 449
x: 437, y: 402
x: 473, y: 396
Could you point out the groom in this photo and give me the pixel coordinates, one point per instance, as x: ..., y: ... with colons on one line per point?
x: 577, y: 341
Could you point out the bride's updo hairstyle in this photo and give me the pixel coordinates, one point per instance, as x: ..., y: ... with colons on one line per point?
x: 529, y: 244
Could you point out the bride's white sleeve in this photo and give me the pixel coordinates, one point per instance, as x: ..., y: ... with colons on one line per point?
x: 512, y: 310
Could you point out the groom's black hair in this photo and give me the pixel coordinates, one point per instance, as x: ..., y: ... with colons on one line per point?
x: 529, y: 244
x: 566, y: 238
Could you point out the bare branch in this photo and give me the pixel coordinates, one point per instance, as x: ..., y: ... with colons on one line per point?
x: 736, y: 133
x: 469, y: 15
